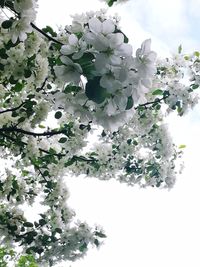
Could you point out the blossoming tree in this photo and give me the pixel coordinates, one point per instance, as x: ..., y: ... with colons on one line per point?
x: 57, y: 91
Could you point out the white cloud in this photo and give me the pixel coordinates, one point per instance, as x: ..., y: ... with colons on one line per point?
x: 168, y: 23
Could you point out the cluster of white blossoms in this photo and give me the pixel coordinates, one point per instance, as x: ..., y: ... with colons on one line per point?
x: 57, y: 92
x: 177, y: 77
x: 26, y: 13
x: 98, y: 53
x: 136, y: 154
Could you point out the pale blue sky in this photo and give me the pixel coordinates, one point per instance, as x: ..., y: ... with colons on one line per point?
x: 145, y: 227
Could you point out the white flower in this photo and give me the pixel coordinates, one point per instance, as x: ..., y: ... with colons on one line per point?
x: 20, y: 28
x: 74, y: 46
x: 103, y: 38
x: 21, y: 5
x: 98, y: 27
x: 71, y: 47
x: 145, y: 60
x: 109, y: 82
x: 70, y: 72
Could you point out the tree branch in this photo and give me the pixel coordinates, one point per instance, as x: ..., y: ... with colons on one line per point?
x: 18, y: 130
x: 45, y: 34
x: 11, y: 7
x: 11, y: 109
x: 158, y: 100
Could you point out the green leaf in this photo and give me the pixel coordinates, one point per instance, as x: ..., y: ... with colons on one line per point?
x: 83, y: 247
x: 180, y: 49
x: 58, y: 115
x: 62, y: 140
x: 3, y: 54
x: 22, y: 119
x: 100, y: 234
x: 72, y: 89
x: 87, y: 64
x: 157, y: 92
x: 15, y: 184
x: 182, y: 146
x: 58, y: 230
x: 70, y: 162
x: 94, y: 91
x: 49, y: 30
x: 194, y: 86
x: 18, y: 87
x: 96, y: 242
x: 41, y: 126
x: 158, y: 107
x: 111, y: 2
x: 1, y: 67
x: 42, y: 222
x: 6, y: 24
x: 196, y: 53
x: 129, y: 103
x: 27, y: 73
x: 28, y: 224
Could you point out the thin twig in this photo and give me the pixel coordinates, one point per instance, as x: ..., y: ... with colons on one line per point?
x: 11, y: 7
x: 18, y: 130
x: 11, y: 109
x: 45, y: 34
x: 152, y: 102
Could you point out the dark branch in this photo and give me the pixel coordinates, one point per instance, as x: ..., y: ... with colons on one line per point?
x: 18, y: 130
x: 11, y: 7
x: 76, y: 158
x: 81, y: 158
x: 11, y: 109
x: 45, y: 34
x: 158, y: 100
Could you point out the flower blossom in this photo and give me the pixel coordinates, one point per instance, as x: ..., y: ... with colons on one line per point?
x: 69, y: 72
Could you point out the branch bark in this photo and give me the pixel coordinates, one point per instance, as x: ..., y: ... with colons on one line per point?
x: 12, y: 109
x: 18, y: 130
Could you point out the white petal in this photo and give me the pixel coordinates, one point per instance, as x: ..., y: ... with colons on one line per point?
x: 73, y: 40
x: 125, y: 50
x: 147, y: 82
x: 115, y: 60
x: 101, y: 43
x: 95, y: 25
x: 108, y: 81
x: 108, y: 26
x: 152, y: 56
x: 111, y: 108
x: 115, y: 39
x: 78, y: 55
x: 59, y: 71
x: 78, y: 67
x: 66, y: 60
x: 146, y: 46
x: 90, y: 38
x: 67, y: 49
x: 101, y: 63
x: 121, y: 101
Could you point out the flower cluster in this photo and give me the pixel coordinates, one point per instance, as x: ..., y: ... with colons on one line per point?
x: 27, y: 11
x: 58, y: 91
x: 115, y: 81
x: 177, y: 80
x: 133, y: 154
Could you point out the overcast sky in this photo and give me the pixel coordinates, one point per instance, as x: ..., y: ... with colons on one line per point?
x: 148, y: 227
